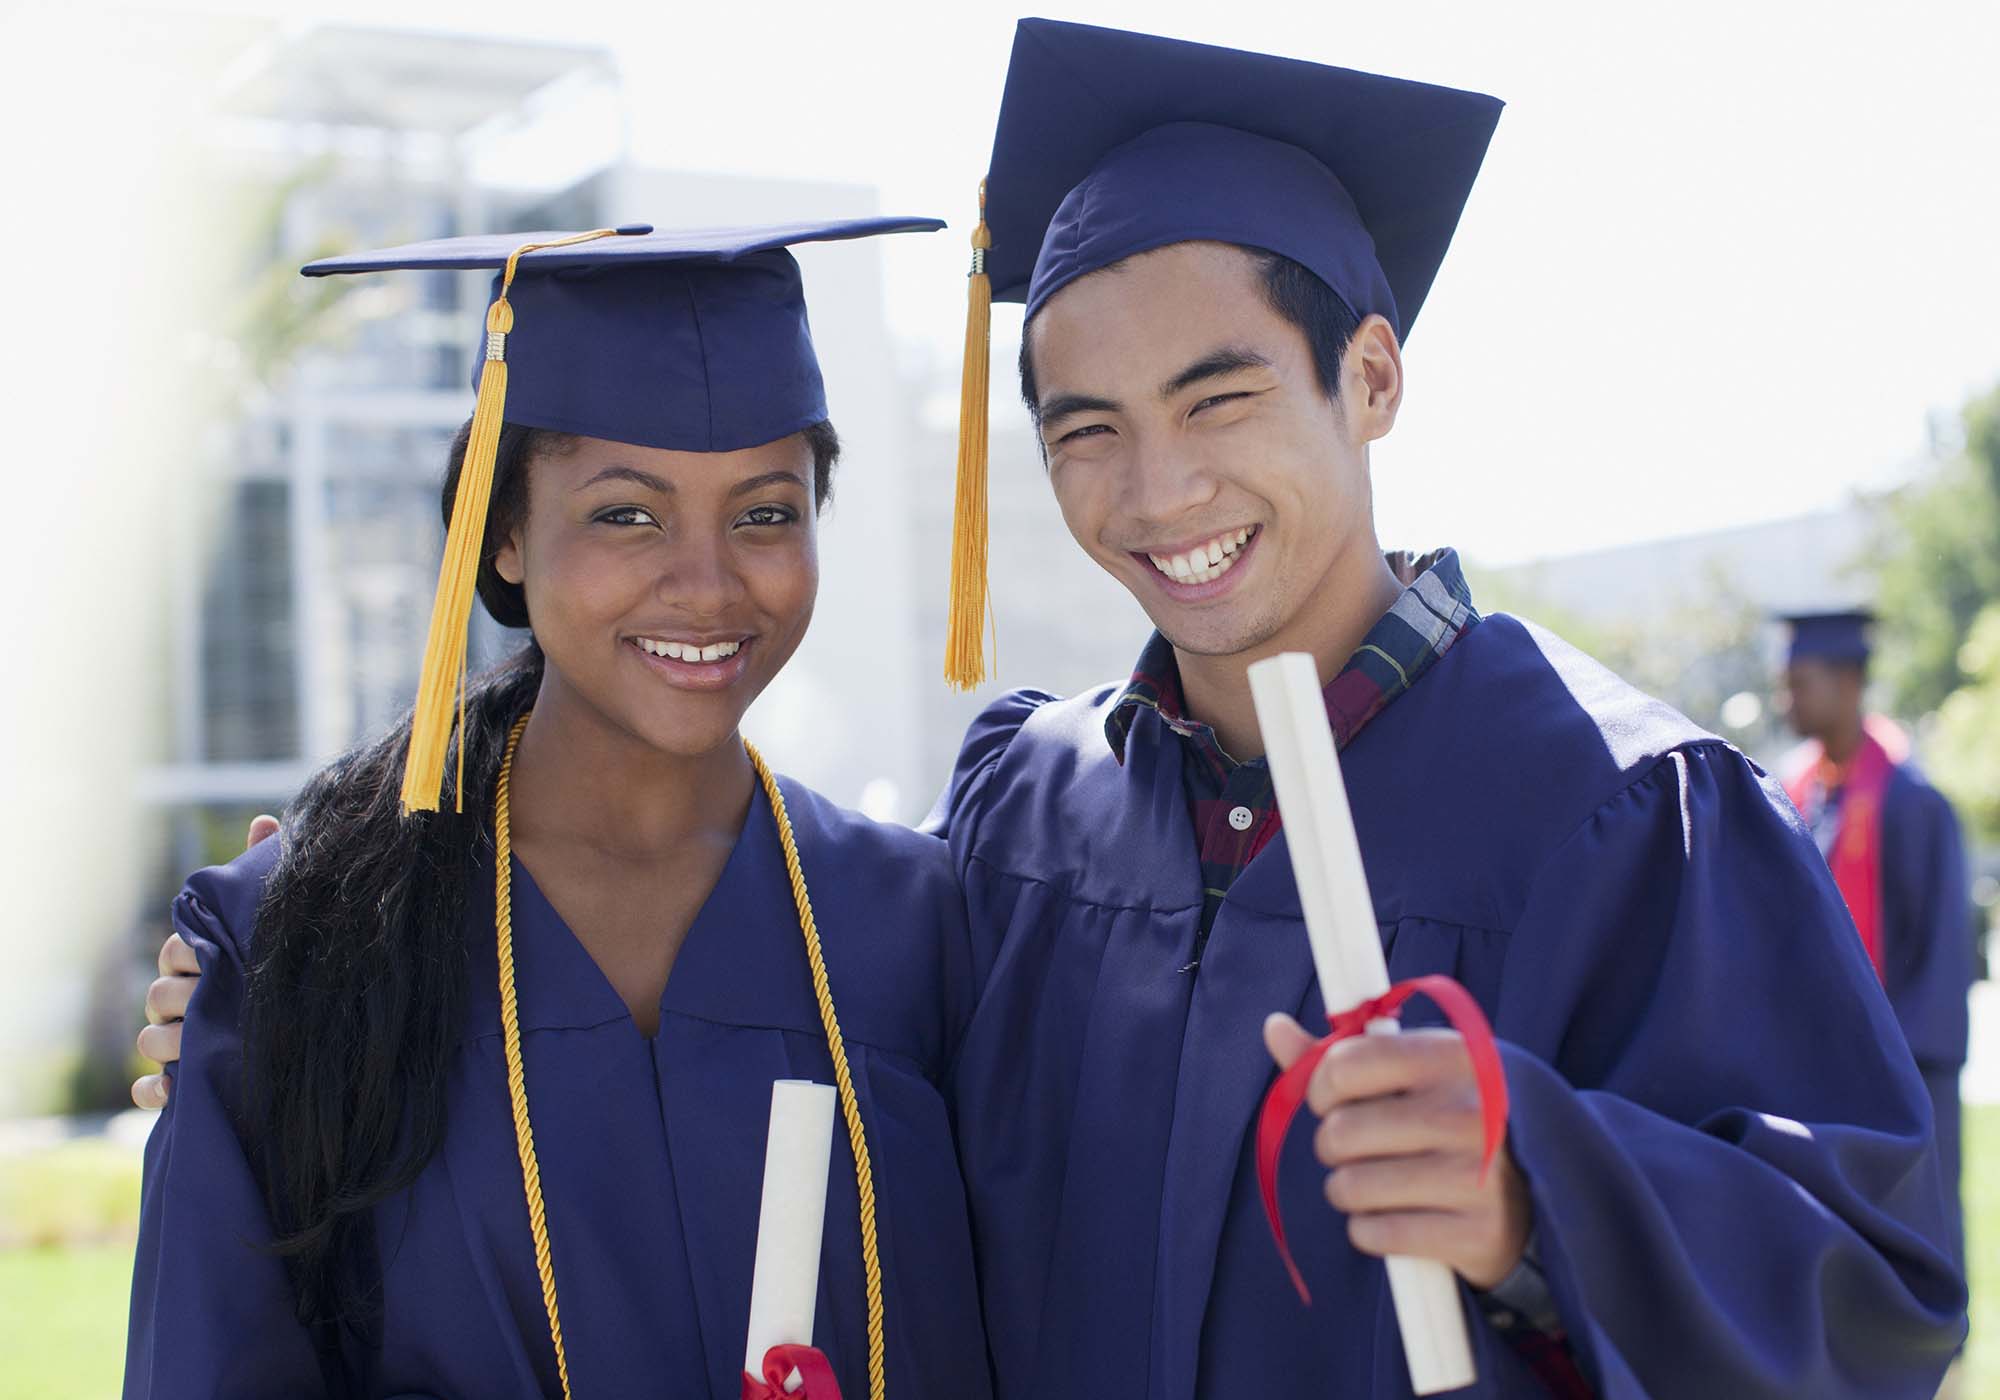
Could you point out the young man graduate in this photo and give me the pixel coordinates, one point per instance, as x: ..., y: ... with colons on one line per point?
x: 1892, y: 843
x: 1718, y: 1176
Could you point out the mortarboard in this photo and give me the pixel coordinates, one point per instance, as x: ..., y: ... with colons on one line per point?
x: 1112, y: 143
x: 692, y: 339
x: 1832, y: 636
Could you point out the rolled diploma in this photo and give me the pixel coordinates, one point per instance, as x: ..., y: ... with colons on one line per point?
x: 784, y: 1286
x: 1347, y: 955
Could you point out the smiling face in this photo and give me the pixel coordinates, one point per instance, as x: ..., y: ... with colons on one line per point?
x: 667, y: 588
x: 1193, y: 450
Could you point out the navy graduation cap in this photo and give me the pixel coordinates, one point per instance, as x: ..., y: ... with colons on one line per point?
x: 692, y: 339
x: 1112, y: 143
x: 1832, y: 636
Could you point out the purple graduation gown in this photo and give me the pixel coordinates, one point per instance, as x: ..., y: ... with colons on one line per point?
x: 1728, y: 1147
x: 1927, y: 951
x: 651, y: 1151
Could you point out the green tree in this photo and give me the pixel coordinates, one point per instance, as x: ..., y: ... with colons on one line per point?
x: 1939, y: 566
x: 1965, y: 745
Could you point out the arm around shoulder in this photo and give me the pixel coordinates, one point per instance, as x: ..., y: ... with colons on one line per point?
x: 212, y: 1312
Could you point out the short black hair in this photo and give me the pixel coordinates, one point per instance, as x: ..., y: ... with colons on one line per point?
x: 1293, y: 291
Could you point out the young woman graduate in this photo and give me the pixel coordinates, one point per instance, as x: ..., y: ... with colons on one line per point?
x: 473, y: 1101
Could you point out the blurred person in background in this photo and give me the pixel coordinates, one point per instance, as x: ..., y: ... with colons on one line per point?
x: 1893, y: 845
x: 392, y: 1164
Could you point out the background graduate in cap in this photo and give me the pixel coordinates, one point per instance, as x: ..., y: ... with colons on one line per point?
x: 444, y: 1124
x: 1893, y: 845
x: 1718, y: 1175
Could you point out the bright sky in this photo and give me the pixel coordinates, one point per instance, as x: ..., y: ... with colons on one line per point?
x: 1724, y: 263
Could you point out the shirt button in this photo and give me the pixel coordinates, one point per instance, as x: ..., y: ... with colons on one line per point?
x: 1241, y: 818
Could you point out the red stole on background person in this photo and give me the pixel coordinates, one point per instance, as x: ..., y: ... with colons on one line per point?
x: 1856, y: 854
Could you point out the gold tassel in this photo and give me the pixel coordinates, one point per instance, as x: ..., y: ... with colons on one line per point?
x: 970, y: 612
x: 441, y: 684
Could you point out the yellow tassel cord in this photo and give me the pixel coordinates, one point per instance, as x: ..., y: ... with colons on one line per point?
x: 970, y: 611
x: 843, y: 1077
x: 441, y: 683
x: 510, y: 1024
x: 510, y: 1034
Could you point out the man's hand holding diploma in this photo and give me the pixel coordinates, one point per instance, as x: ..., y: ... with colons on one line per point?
x: 1401, y: 1132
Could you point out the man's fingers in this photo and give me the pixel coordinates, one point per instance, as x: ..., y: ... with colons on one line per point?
x: 1369, y: 1066
x: 1422, y: 1234
x: 1441, y: 1119
x: 1433, y: 1181
x: 262, y: 828
x: 150, y: 1091
x: 1285, y: 1038
x: 177, y: 959
x: 161, y: 1043
x: 167, y: 999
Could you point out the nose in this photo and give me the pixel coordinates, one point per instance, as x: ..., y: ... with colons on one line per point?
x: 1166, y: 484
x: 699, y: 576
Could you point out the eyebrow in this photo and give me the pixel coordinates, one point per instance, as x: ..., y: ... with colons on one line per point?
x: 758, y: 483
x: 664, y: 487
x: 631, y: 474
x: 1069, y: 405
x: 1230, y: 359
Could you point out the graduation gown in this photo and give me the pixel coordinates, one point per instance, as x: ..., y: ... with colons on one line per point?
x: 1927, y: 951
x: 651, y: 1151
x: 1727, y: 1144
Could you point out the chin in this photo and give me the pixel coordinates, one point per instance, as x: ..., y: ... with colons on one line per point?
x: 691, y: 727
x: 1215, y: 636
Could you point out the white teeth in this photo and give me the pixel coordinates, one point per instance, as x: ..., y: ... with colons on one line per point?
x: 688, y: 651
x: 1204, y: 562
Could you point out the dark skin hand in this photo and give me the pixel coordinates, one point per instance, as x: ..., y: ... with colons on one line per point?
x: 167, y: 999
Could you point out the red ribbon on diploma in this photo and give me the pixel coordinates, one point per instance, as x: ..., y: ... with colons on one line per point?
x: 1288, y: 1094
x: 815, y: 1371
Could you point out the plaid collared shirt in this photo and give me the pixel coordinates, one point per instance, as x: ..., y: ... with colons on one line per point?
x: 1234, y: 810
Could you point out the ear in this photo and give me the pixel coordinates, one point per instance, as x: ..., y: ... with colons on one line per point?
x: 507, y: 561
x: 1371, y: 379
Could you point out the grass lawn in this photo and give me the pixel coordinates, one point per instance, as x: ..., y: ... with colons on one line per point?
x: 62, y: 1329
x: 1982, y: 1244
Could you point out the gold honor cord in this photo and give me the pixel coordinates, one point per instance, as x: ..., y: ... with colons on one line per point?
x: 517, y: 1086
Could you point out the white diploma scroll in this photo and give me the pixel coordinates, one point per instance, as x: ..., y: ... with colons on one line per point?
x: 784, y: 1288
x: 1347, y: 954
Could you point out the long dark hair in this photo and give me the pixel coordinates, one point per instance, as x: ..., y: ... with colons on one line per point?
x: 357, y: 975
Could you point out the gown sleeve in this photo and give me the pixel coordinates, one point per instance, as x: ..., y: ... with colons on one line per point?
x: 1727, y: 1145
x: 212, y: 1311
x: 986, y: 739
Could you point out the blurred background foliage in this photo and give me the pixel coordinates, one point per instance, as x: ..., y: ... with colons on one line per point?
x: 1937, y: 560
